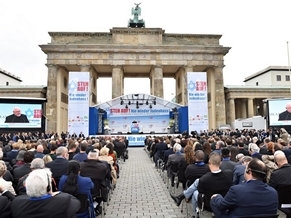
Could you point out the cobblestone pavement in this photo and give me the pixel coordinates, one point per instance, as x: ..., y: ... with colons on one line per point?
x: 141, y: 191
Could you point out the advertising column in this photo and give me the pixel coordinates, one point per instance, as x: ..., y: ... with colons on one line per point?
x: 78, y: 105
x: 197, y: 101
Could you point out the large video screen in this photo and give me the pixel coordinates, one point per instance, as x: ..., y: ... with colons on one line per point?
x: 20, y: 115
x: 279, y: 112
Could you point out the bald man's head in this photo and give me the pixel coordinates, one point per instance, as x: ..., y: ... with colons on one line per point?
x: 280, y: 158
x: 288, y: 107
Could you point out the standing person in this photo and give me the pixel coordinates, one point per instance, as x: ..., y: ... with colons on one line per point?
x: 16, y: 117
x: 40, y: 201
x: 80, y: 187
x: 252, y: 197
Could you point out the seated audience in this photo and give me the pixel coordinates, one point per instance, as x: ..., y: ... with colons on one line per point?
x: 80, y: 187
x: 6, y: 198
x: 82, y: 155
x: 254, y: 197
x: 176, y: 165
x: 36, y: 163
x: 59, y: 166
x: 197, y: 169
x: 40, y: 201
x: 103, y: 156
x: 6, y: 185
x: 22, y: 170
x: 226, y: 163
x: 239, y: 170
x: 215, y: 181
x: 280, y: 176
x: 99, y: 172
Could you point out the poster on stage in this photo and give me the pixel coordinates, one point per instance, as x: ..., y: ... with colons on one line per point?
x: 197, y: 101
x: 142, y: 120
x: 78, y: 104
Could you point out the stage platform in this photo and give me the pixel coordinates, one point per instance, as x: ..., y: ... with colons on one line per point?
x: 136, y: 140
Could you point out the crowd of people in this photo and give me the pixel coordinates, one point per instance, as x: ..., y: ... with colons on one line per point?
x: 214, y: 167
x: 39, y: 172
x: 232, y: 173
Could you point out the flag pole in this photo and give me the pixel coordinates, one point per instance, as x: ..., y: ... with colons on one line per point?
x: 288, y: 56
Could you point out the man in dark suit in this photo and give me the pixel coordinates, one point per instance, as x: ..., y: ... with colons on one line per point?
x: 100, y: 173
x: 159, y: 149
x: 226, y: 163
x: 23, y: 169
x: 176, y: 165
x: 59, y: 165
x: 286, y: 115
x: 197, y: 169
x: 16, y: 117
x: 253, y: 197
x: 6, y: 198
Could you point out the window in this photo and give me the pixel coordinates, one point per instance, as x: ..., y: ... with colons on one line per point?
x: 257, y: 83
x: 287, y: 78
x: 278, y: 77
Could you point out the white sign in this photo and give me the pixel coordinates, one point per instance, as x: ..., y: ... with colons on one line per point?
x: 78, y: 105
x: 197, y: 101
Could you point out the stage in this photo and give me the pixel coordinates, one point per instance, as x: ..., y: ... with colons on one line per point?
x: 136, y: 140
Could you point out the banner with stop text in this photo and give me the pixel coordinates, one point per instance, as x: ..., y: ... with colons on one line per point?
x: 197, y: 101
x: 78, y: 103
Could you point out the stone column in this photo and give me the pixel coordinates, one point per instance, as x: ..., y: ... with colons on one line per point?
x: 52, y: 92
x: 231, y: 111
x: 93, y: 86
x: 250, y: 107
x: 92, y: 83
x: 117, y: 81
x: 211, y: 98
x: 219, y: 97
x: 185, y: 84
x: 156, y: 77
x: 243, y: 108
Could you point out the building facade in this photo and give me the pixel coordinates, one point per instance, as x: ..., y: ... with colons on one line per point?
x: 133, y: 52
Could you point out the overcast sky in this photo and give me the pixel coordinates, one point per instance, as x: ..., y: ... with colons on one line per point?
x: 256, y: 30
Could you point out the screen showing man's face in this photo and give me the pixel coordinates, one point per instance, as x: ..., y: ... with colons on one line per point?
x: 17, y: 112
x: 288, y: 108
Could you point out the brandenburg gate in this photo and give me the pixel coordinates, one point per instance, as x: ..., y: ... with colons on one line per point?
x: 133, y: 52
